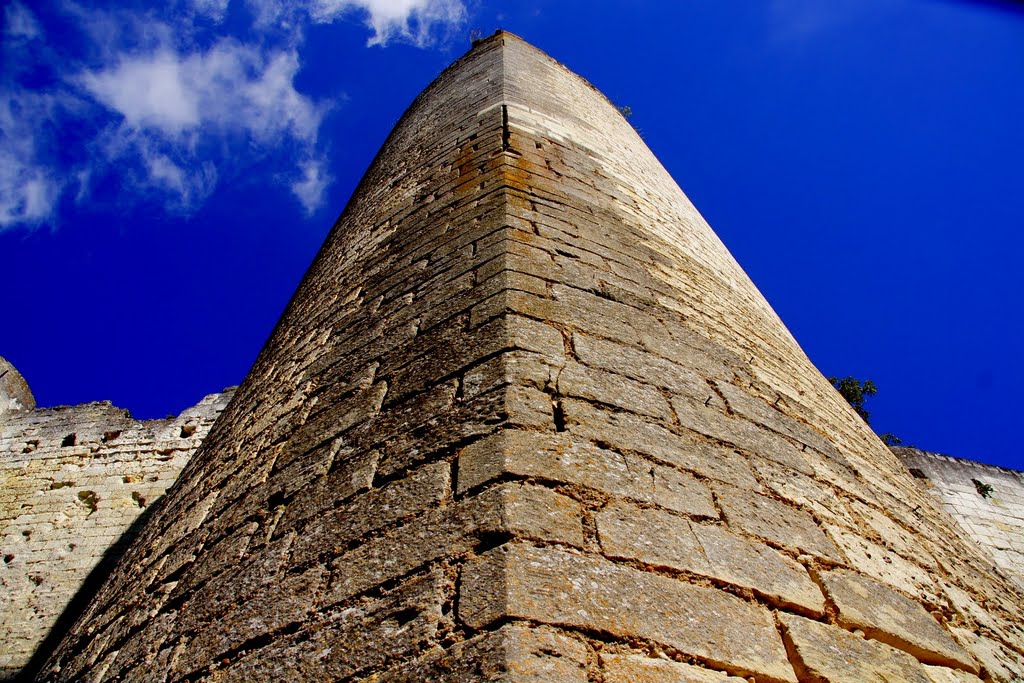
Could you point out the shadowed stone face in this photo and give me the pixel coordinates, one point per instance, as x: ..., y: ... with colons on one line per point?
x: 14, y: 391
x: 526, y: 419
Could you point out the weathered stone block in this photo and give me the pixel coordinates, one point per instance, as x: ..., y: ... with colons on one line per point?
x: 940, y: 674
x: 513, y: 509
x: 640, y: 669
x: 558, y: 587
x: 885, y: 615
x: 626, y: 432
x: 332, y: 532
x: 663, y: 540
x: 514, y: 367
x: 707, y: 419
x: 828, y: 654
x: 774, y: 521
x: 638, y: 365
x: 579, y: 381
x: 345, y: 642
x: 513, y: 654
x: 564, y: 459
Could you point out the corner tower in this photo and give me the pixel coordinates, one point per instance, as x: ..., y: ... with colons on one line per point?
x: 525, y: 419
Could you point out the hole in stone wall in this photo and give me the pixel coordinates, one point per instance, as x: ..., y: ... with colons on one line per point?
x: 187, y: 431
x: 111, y: 435
x: 89, y: 499
x: 139, y: 500
x: 60, y: 485
x: 917, y: 474
x: 559, y: 416
x: 131, y: 478
x: 30, y: 446
x: 8, y: 559
x: 36, y: 579
x: 27, y: 533
x: 69, y: 440
x: 404, y: 616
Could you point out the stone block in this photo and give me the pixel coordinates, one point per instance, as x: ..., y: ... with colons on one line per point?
x: 640, y: 669
x: 883, y: 564
x: 343, y: 643
x: 351, y: 473
x: 827, y: 654
x: 514, y: 367
x: 940, y: 674
x: 777, y: 578
x: 557, y: 587
x: 653, y: 537
x: 709, y: 420
x: 774, y: 521
x: 659, y: 539
x: 246, y: 579
x: 759, y: 410
x: 807, y: 492
x: 580, y: 381
x: 887, y: 616
x: 639, y: 365
x: 1000, y: 662
x: 514, y: 653
x: 564, y: 459
x: 513, y: 509
x: 332, y: 532
x: 627, y: 432
x: 273, y: 606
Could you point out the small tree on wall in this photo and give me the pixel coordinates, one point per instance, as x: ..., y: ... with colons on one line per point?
x: 855, y: 392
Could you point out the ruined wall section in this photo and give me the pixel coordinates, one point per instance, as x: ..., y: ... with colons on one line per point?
x: 987, y: 501
x: 15, y: 394
x: 73, y: 482
x: 526, y: 420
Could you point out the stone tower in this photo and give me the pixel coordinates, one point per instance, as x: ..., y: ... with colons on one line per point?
x: 525, y: 419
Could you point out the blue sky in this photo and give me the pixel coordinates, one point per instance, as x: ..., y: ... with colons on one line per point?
x: 168, y: 170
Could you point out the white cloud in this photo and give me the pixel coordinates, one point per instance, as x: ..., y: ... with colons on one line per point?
x: 174, y: 105
x: 148, y: 91
x: 170, y: 106
x: 310, y: 189
x: 413, y: 21
x: 19, y: 22
x: 29, y: 188
x: 230, y: 87
x: 213, y: 9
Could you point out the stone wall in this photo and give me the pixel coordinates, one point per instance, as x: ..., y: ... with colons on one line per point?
x: 74, y: 482
x: 994, y: 518
x: 525, y: 419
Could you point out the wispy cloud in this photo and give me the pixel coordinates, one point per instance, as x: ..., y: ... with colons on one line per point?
x: 175, y: 106
x: 311, y: 187
x: 19, y: 22
x: 409, y: 20
x: 29, y: 186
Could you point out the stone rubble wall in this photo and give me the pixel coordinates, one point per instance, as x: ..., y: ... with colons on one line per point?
x: 73, y: 483
x: 995, y: 520
x: 525, y: 419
